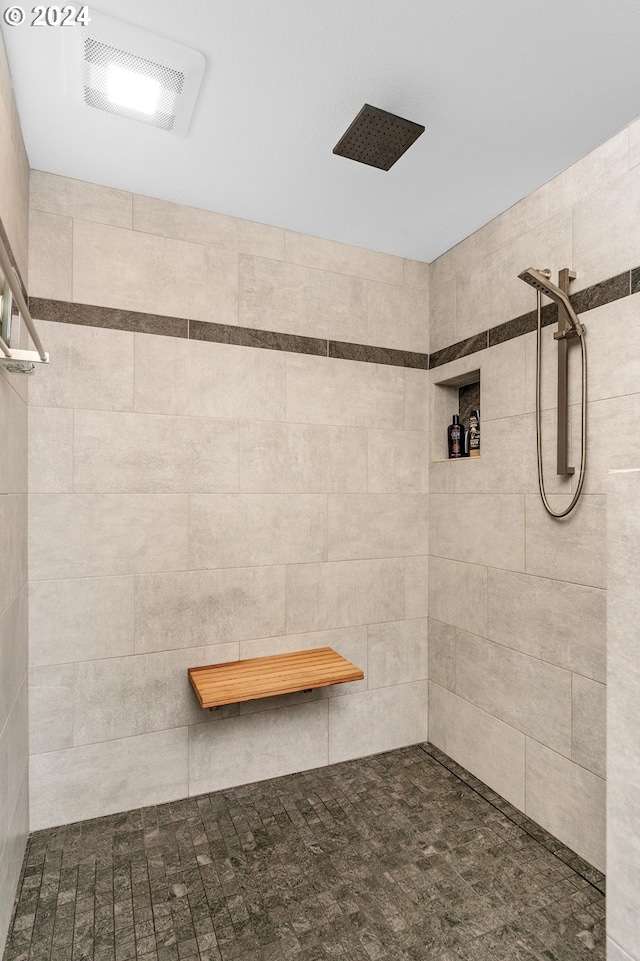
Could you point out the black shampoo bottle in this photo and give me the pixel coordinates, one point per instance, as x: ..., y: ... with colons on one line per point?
x: 455, y: 432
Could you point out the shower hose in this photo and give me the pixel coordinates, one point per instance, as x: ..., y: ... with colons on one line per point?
x: 583, y: 429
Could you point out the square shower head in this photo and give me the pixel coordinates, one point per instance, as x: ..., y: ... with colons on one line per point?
x: 377, y: 138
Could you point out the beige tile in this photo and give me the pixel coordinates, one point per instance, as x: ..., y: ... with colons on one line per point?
x: 50, y: 245
x: 604, y: 450
x: 463, y: 476
x: 13, y: 556
x: 458, y: 594
x: 398, y: 461
x: 351, y: 642
x: 302, y: 458
x: 442, y: 653
x: 14, y: 653
x: 527, y: 214
x: 82, y: 535
x: 14, y: 172
x: 89, y: 368
x: 175, y: 376
x: 200, y: 608
x: 416, y: 586
x: 344, y: 392
x: 572, y: 549
x: 634, y: 143
x: 397, y: 317
x: 13, y: 431
x: 416, y: 274
x: 51, y: 708
x: 502, y: 379
x: 561, y: 623
x: 599, y: 167
x: 526, y: 693
x: 606, y: 239
x: 416, y: 399
x: 509, y: 455
x: 258, y: 746
x: 377, y: 525
x: 342, y: 258
x: 470, y: 252
x: 60, y: 610
x: 150, y: 453
x: 376, y: 721
x: 126, y: 696
x: 98, y: 779
x: 206, y: 227
x: 589, y: 724
x: 80, y: 199
x: 568, y: 801
x: 50, y: 450
x: 478, y: 528
x: 442, y: 303
x: 339, y: 594
x: 301, y: 300
x: 487, y: 747
x: 14, y: 760
x: 12, y: 857
x: 248, y: 530
x: 398, y: 653
x: 616, y: 953
x: 113, y: 267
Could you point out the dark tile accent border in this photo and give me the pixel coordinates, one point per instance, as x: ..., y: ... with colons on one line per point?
x: 250, y: 337
x: 87, y: 315
x: 378, y: 355
x: 603, y: 293
x: 635, y: 280
x: 14, y: 263
x: 596, y: 878
x: 462, y: 349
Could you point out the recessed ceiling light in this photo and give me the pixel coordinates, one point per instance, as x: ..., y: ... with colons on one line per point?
x: 128, y: 88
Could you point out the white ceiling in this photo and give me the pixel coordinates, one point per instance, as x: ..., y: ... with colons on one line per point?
x: 510, y: 93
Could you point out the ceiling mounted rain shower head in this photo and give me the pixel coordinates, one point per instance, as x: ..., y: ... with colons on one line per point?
x: 377, y: 138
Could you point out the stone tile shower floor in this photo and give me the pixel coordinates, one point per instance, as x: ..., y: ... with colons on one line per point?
x: 401, y: 856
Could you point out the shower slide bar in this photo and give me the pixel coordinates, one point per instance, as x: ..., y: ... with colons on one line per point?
x: 22, y: 359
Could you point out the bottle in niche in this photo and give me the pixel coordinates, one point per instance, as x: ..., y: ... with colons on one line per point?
x: 474, y: 433
x: 455, y: 433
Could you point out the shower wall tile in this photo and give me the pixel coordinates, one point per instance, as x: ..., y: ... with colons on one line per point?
x: 458, y: 594
x: 485, y: 529
x: 398, y: 653
x: 50, y: 450
x: 634, y: 143
x: 89, y: 368
x: 344, y: 393
x: 502, y: 380
x: 14, y: 184
x: 113, y: 267
x: 509, y: 463
x: 576, y: 551
x: 589, y: 724
x: 416, y: 274
x: 615, y: 952
x: 197, y: 379
x: 13, y: 559
x: 253, y: 530
x: 567, y: 800
x: 416, y: 586
x: 151, y: 453
x: 343, y: 258
x: 344, y: 593
x: 58, y: 626
x: 442, y: 303
x: 375, y: 721
x: 14, y: 754
x: 486, y: 746
x: 559, y: 622
x: 83, y: 535
x: 201, y: 608
x: 206, y: 227
x: 613, y: 351
x: 98, y: 779
x: 416, y: 399
x: 14, y: 654
x: 50, y: 255
x: 51, y: 708
x: 377, y: 525
x: 398, y: 461
x: 397, y: 317
x: 527, y: 214
x: 302, y: 300
x: 258, y: 746
x: 13, y: 431
x: 596, y: 169
x: 442, y: 653
x: 302, y: 458
x: 526, y: 693
x: 79, y: 199
x: 606, y: 448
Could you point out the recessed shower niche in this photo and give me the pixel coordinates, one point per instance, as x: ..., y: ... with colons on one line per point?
x: 456, y: 395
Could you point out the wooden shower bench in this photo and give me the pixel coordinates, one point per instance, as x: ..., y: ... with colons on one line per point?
x: 258, y: 677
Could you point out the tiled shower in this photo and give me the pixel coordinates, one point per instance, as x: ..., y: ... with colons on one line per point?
x: 237, y: 450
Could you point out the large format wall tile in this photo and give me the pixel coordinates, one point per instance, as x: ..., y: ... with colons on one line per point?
x: 199, y: 608
x: 338, y: 594
x: 416, y: 586
x: 302, y: 300
x: 245, y: 530
x: 442, y: 653
x: 458, y: 594
x: 97, y: 779
x: 398, y: 653
x: 605, y: 451
x: 77, y: 198
x: 82, y: 535
x: 375, y: 721
x: 561, y: 623
x: 145, y: 453
x: 51, y: 708
x: 377, y: 525
x: 397, y: 317
x: 570, y: 550
x: 588, y: 724
x: 11, y: 858
x: 113, y: 267
x: 14, y: 654
x: 478, y: 529
x: 13, y: 557
x: 13, y: 431
x: 398, y: 461
x: 613, y: 351
x: 14, y: 759
x: 416, y: 274
x: 78, y: 619
x: 568, y: 801
x: 486, y: 746
x: 416, y: 399
x: 606, y: 240
x: 258, y: 746
x: 50, y: 255
x: 343, y: 258
x: 50, y: 450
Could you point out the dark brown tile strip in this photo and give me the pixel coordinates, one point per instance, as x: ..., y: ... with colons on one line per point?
x: 534, y: 830
x: 635, y: 280
x: 378, y: 355
x: 249, y: 337
x: 603, y: 293
x: 513, y: 328
x: 14, y: 263
x: 462, y: 349
x: 88, y: 315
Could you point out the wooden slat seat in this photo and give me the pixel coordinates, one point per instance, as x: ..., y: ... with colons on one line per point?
x: 257, y: 677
